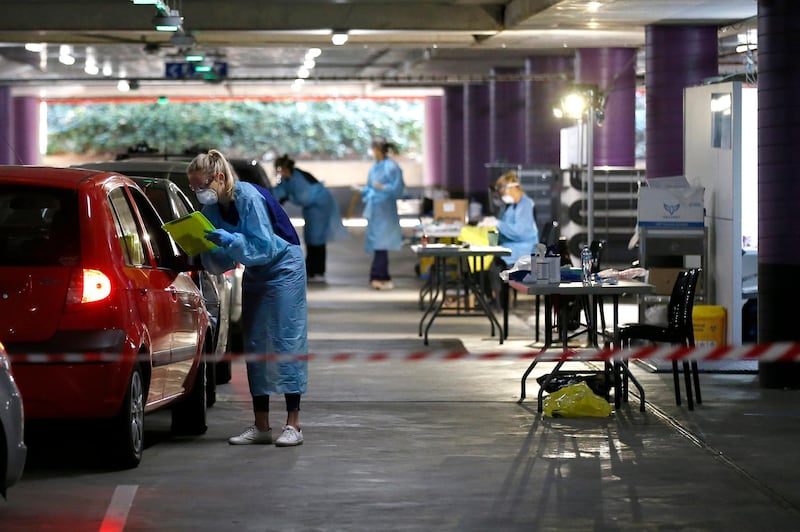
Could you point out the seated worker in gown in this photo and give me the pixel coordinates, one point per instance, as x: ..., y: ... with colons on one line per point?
x: 516, y: 226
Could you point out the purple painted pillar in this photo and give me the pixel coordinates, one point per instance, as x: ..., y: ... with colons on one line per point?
x: 453, y: 138
x: 778, y: 186
x: 542, y: 129
x: 476, y: 142
x: 6, y: 126
x: 434, y: 141
x: 676, y: 57
x: 506, y: 116
x: 26, y: 129
x: 613, y: 70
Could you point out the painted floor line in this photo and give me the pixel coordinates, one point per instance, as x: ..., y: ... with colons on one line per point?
x: 118, y: 508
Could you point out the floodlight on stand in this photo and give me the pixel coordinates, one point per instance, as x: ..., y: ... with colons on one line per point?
x: 339, y: 37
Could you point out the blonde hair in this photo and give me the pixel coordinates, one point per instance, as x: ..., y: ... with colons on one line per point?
x: 509, y: 178
x: 213, y: 163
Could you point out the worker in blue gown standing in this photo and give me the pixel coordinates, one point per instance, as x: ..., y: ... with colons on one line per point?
x: 323, y: 221
x: 274, y: 307
x: 384, y: 187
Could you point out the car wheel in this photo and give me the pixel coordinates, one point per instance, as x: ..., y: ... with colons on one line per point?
x: 189, y: 414
x: 223, y: 372
x: 211, y: 384
x: 129, y: 425
x: 235, y: 339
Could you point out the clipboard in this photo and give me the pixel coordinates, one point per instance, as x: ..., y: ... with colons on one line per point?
x: 190, y: 233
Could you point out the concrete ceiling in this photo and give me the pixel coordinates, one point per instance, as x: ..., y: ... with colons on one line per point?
x: 394, y: 45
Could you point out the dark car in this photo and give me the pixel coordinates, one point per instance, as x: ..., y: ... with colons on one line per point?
x: 98, y: 313
x: 251, y: 171
x: 171, y: 203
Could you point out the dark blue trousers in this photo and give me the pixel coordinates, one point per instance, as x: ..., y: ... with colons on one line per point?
x: 380, y: 266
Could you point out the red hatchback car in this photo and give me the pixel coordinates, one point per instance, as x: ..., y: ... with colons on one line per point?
x: 87, y: 270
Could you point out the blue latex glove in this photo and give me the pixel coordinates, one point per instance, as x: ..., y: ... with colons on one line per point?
x: 220, y: 237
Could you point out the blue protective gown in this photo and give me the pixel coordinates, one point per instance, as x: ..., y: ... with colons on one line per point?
x: 517, y: 228
x: 380, y: 206
x: 320, y: 211
x: 274, y: 308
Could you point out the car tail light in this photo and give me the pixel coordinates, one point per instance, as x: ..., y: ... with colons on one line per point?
x: 5, y: 363
x: 88, y: 286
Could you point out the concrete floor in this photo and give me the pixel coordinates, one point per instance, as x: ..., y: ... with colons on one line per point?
x: 434, y: 445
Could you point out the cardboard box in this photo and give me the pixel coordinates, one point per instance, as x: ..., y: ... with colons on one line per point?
x: 450, y: 210
x: 709, y: 325
x: 671, y: 207
x: 663, y: 279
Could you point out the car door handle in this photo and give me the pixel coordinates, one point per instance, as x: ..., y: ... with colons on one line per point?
x: 173, y: 292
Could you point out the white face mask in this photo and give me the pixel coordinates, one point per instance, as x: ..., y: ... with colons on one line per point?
x: 206, y: 196
x: 507, y: 199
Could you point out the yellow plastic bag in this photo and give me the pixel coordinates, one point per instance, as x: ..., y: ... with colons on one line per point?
x: 576, y: 400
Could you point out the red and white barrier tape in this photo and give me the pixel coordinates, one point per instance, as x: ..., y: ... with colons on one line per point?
x: 763, y: 352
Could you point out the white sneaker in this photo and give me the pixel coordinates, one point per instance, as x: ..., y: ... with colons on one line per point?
x: 252, y: 435
x: 290, y: 437
x: 386, y: 285
x: 316, y: 279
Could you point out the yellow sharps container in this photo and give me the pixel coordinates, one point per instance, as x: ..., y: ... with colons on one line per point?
x: 709, y: 325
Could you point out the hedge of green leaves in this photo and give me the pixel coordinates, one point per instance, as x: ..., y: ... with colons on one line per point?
x: 330, y: 129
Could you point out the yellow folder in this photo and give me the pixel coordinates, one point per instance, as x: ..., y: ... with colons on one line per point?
x: 190, y: 233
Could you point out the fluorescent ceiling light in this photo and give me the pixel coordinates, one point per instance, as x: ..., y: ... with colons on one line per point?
x: 339, y: 37
x: 170, y: 21
x: 182, y: 40
x: 146, y: 2
x: 65, y: 55
x: 194, y: 58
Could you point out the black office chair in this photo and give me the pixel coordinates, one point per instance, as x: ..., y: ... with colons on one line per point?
x: 679, y: 331
x: 549, y: 234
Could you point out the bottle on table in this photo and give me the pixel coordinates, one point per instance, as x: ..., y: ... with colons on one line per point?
x: 586, y: 265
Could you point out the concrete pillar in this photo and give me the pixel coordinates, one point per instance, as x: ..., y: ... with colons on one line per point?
x: 26, y: 130
x: 453, y: 138
x: 506, y: 117
x: 542, y: 129
x: 6, y: 126
x: 676, y: 57
x: 613, y: 70
x: 476, y: 141
x: 434, y: 141
x: 778, y: 185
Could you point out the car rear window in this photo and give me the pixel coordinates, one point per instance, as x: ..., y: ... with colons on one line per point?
x: 38, y: 226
